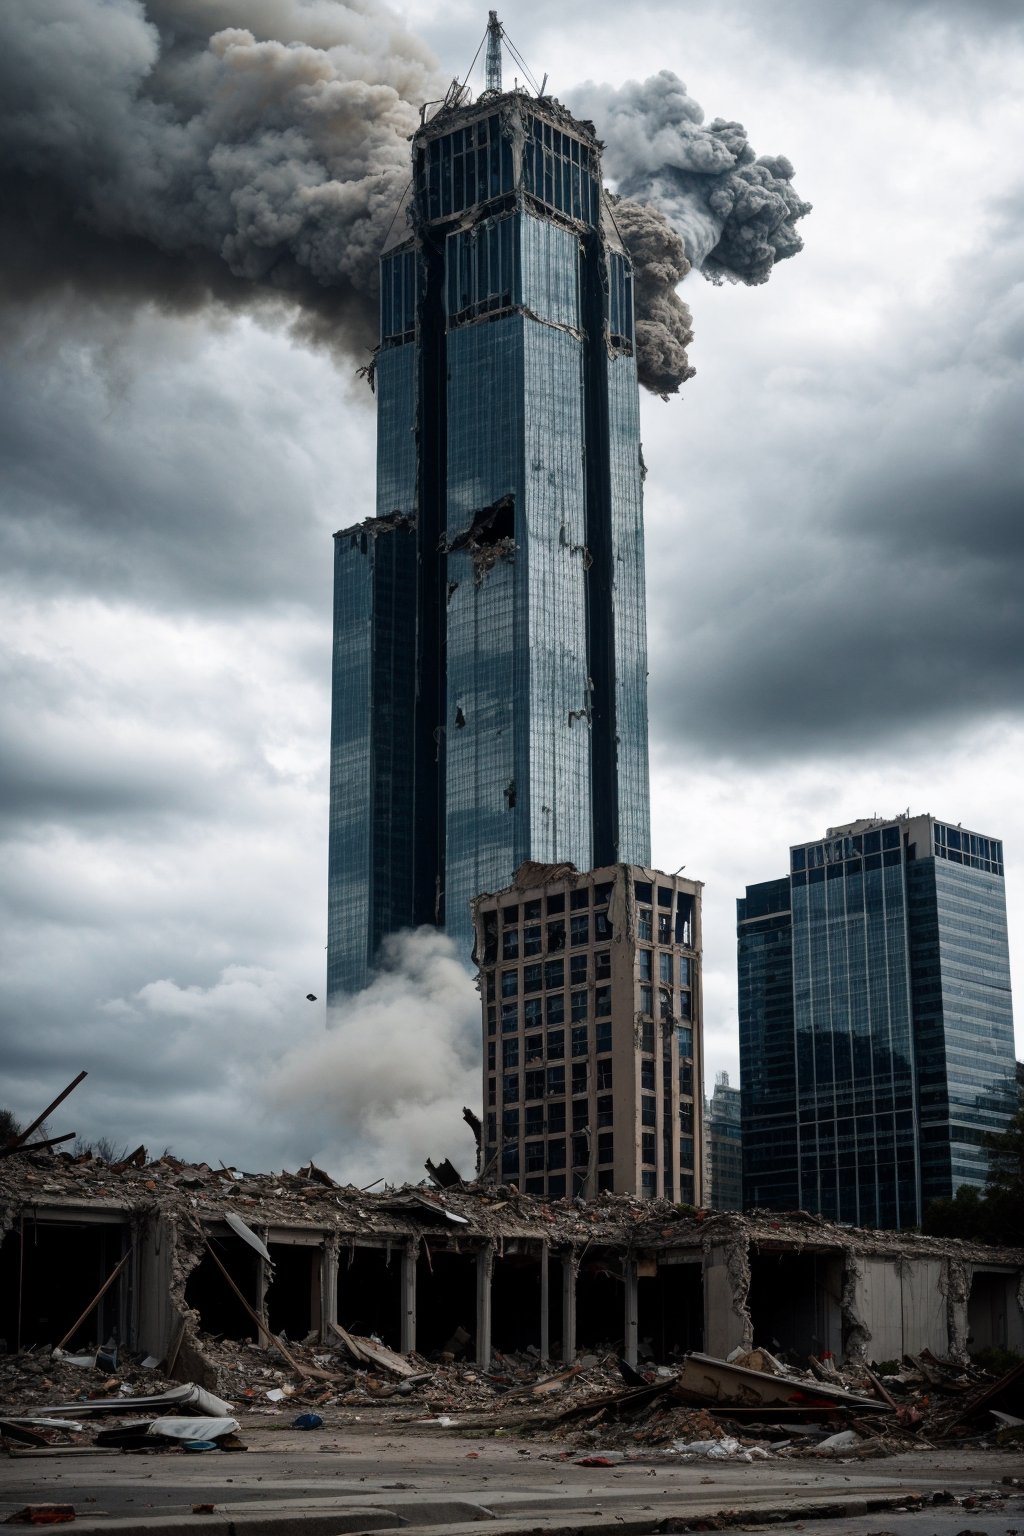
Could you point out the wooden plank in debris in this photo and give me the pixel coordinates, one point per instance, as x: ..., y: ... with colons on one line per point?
x: 21, y: 1139
x: 369, y: 1352
x: 104, y: 1288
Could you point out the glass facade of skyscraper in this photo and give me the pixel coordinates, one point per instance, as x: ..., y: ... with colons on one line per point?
x: 508, y: 443
x: 900, y: 1052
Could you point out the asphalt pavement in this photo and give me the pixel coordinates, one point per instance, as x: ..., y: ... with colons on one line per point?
x: 355, y: 1478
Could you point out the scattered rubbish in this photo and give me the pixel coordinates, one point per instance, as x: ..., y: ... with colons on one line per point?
x: 845, y: 1440
x: 307, y: 1421
x: 42, y: 1514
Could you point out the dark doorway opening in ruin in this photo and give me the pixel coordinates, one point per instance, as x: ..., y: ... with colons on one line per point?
x: 49, y: 1273
x: 515, y: 1303
x: 369, y: 1293
x: 670, y: 1312
x: 446, y: 1303
x: 988, y: 1311
x: 220, y: 1311
x: 600, y: 1302
x: 293, y: 1295
x: 795, y: 1304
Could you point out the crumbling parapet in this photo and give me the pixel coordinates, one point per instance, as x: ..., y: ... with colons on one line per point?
x: 956, y: 1286
x: 727, y: 1320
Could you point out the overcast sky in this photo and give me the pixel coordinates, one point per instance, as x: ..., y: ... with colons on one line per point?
x: 834, y: 516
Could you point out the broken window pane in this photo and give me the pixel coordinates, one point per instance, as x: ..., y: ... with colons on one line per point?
x: 604, y: 1076
x: 648, y: 1109
x: 579, y: 929
x: 510, y: 944
x: 643, y: 960
x: 603, y: 964
x: 605, y: 1147
x: 644, y: 921
x: 580, y: 1043
x: 605, y: 1111
x: 556, y: 935
x: 603, y: 1035
x: 577, y: 970
x: 579, y: 1077
x: 532, y: 977
x: 556, y: 1081
x: 556, y: 1045
x: 510, y: 983
x: 556, y: 1114
x: 555, y: 1007
x: 603, y: 1002
x: 531, y: 940
x: 579, y: 1004
x: 556, y: 1152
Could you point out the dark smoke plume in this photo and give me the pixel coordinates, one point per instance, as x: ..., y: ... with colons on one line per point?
x: 735, y: 214
x: 182, y: 151
x: 664, y: 325
x: 178, y: 152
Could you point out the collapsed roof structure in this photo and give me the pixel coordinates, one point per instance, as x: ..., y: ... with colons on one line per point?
x: 201, y: 1252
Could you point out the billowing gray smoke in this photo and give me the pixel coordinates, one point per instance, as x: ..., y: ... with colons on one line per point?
x: 179, y: 151
x: 735, y: 214
x: 664, y: 325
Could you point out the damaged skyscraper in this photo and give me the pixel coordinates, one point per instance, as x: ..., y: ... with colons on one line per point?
x: 490, y: 658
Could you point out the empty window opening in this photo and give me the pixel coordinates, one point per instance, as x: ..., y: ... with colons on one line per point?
x: 446, y: 1304
x: 510, y: 794
x: 293, y: 1296
x: 988, y: 1311
x: 220, y: 1311
x: 670, y: 1312
x: 369, y: 1293
x: 600, y: 1303
x: 515, y: 1302
x: 795, y: 1304
x: 49, y: 1273
x: 460, y: 718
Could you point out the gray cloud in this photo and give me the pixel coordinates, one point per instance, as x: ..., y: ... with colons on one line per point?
x: 832, y: 556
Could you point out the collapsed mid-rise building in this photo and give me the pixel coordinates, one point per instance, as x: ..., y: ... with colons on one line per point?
x: 489, y: 1267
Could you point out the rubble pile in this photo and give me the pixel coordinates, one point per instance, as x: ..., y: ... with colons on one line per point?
x: 753, y: 1404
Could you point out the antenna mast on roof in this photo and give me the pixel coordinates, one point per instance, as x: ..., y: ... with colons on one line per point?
x: 493, y: 51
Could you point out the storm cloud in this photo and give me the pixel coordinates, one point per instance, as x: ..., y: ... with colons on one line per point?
x: 833, y: 544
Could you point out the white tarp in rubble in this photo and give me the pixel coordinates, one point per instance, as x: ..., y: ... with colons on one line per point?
x: 186, y: 1396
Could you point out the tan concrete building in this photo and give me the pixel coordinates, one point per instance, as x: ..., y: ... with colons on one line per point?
x: 592, y: 1026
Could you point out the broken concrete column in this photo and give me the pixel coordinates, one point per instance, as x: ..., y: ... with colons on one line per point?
x: 484, y: 1276
x: 545, y: 1305
x: 570, y: 1265
x: 727, y: 1320
x: 328, y: 1286
x: 631, y: 1303
x: 856, y: 1333
x: 408, y: 1302
x: 955, y: 1283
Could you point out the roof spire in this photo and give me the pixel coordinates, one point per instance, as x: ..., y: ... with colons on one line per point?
x: 493, y: 51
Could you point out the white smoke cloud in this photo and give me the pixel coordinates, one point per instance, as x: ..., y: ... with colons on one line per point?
x: 370, y: 1097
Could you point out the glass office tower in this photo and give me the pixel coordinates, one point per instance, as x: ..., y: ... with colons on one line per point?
x: 493, y: 609
x: 876, y: 1025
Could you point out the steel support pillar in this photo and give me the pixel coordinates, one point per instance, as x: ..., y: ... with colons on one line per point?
x: 408, y: 1302
x: 484, y: 1275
